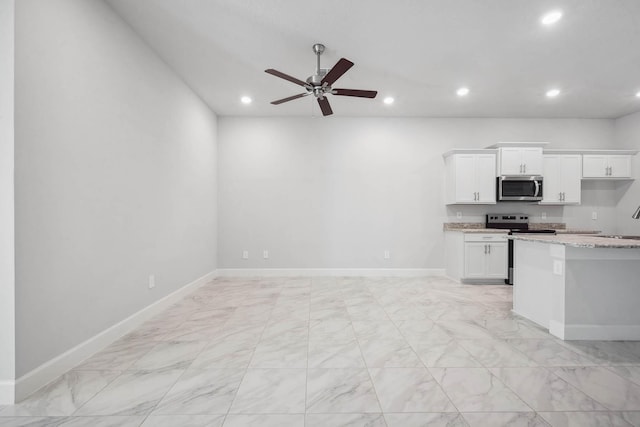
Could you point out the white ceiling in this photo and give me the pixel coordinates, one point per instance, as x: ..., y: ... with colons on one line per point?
x: 418, y: 51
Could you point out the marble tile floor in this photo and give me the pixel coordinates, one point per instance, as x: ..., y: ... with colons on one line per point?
x: 342, y: 352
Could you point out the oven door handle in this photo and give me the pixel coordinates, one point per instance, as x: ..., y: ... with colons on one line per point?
x: 537, y: 184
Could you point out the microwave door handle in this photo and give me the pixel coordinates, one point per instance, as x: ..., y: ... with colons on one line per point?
x: 537, y: 184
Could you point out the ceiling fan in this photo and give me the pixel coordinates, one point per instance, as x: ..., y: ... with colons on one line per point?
x: 319, y: 84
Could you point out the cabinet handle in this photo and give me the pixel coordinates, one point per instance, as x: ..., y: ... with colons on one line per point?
x: 489, y: 246
x: 560, y: 196
x: 610, y: 170
x: 478, y: 196
x: 521, y: 168
x: 485, y: 249
x: 524, y: 167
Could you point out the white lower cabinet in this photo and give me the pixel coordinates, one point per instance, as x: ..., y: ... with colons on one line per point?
x: 496, y: 261
x: 476, y: 255
x: 485, y: 260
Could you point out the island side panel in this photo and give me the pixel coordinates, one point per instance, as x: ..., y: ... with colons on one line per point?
x: 532, y: 284
x: 603, y: 294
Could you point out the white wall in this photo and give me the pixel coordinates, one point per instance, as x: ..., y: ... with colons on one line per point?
x: 115, y: 176
x: 627, y: 136
x: 336, y: 192
x: 7, y: 274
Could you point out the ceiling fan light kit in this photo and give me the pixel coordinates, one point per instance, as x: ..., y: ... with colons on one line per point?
x: 320, y: 83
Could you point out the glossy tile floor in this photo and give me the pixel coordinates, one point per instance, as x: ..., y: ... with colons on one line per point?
x: 343, y: 352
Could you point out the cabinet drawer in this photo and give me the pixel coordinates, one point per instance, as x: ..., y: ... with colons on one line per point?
x: 485, y: 237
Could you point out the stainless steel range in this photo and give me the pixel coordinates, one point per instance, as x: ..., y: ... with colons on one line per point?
x: 517, y: 224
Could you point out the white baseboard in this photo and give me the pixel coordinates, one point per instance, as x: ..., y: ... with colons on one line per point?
x: 49, y: 371
x: 7, y: 392
x: 595, y: 332
x: 556, y: 329
x: 330, y: 272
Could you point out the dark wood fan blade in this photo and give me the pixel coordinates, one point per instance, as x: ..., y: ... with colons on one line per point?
x: 341, y: 67
x: 325, y: 107
x: 355, y: 92
x: 286, y: 77
x: 291, y: 98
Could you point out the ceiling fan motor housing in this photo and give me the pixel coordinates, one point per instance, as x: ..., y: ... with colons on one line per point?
x: 316, y: 79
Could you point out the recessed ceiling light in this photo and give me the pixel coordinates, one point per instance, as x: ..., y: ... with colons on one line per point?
x: 638, y: 94
x: 553, y: 93
x: 388, y: 100
x: 463, y: 91
x: 246, y: 100
x: 551, y: 17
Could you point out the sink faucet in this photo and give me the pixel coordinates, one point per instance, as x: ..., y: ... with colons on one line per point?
x: 636, y: 214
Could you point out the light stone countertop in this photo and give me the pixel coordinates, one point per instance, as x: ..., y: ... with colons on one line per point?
x: 479, y: 227
x: 579, y: 240
x: 471, y: 227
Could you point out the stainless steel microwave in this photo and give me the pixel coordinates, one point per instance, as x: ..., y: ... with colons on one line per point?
x: 525, y: 188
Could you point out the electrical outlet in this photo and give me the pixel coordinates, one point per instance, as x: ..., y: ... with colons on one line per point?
x: 387, y: 254
x: 265, y: 254
x: 152, y: 281
x: 459, y: 215
x: 544, y: 215
x: 245, y: 254
x: 557, y: 267
x: 594, y: 215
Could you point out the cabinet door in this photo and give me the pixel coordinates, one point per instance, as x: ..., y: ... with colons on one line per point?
x: 485, y: 177
x: 532, y: 160
x: 465, y: 186
x: 570, y: 178
x: 551, y: 185
x: 594, y: 166
x: 619, y: 166
x: 510, y: 161
x: 474, y: 259
x: 496, y: 261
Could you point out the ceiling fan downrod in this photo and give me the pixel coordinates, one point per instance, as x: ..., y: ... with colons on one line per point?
x: 318, y: 49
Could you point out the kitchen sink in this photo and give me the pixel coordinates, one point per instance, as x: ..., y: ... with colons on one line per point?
x: 617, y: 236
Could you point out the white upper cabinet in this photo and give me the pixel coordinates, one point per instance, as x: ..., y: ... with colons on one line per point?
x: 562, y: 175
x: 520, y: 161
x: 606, y: 166
x: 470, y: 178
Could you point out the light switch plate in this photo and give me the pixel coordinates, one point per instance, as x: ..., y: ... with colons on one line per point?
x: 544, y: 215
x: 594, y: 215
x: 459, y: 215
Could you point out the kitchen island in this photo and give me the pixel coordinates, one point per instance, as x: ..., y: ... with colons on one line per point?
x: 579, y: 287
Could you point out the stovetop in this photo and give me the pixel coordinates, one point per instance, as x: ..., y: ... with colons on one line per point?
x: 517, y: 223
x: 522, y: 231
